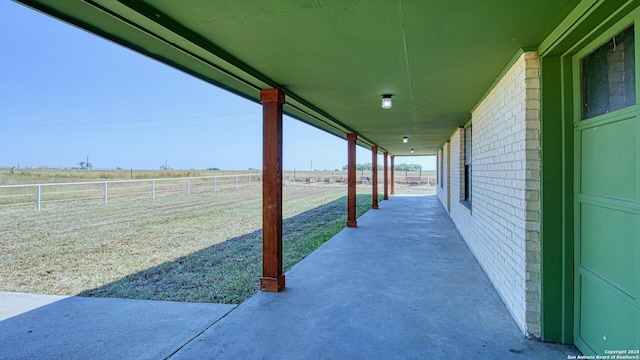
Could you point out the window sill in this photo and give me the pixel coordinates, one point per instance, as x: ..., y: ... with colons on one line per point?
x: 466, y: 203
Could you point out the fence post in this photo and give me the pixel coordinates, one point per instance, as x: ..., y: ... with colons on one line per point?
x: 38, y: 194
x: 236, y: 182
x: 106, y: 197
x: 188, y: 186
x: 153, y: 189
x: 249, y: 179
x: 215, y: 184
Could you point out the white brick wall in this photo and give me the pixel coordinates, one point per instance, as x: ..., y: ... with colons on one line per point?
x: 502, y: 227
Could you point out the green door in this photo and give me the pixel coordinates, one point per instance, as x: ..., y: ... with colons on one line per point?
x: 607, y: 195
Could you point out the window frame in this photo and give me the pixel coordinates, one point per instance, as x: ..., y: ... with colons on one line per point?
x: 582, y: 56
x: 577, y: 70
x: 467, y: 166
x: 441, y: 168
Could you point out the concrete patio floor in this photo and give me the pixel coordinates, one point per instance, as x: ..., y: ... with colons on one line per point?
x: 403, y: 285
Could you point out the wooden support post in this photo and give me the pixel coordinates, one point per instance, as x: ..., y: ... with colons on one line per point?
x: 351, y: 180
x: 386, y: 176
x: 393, y: 180
x: 374, y: 177
x: 272, y: 276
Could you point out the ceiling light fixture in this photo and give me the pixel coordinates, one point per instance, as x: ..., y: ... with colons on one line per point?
x: 405, y: 139
x: 386, y: 102
x: 412, y: 151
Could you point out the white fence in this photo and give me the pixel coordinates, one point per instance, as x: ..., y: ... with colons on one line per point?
x: 104, y: 191
x: 38, y: 195
x: 361, y: 179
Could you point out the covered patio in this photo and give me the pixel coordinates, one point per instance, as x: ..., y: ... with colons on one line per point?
x: 401, y: 285
x: 512, y: 98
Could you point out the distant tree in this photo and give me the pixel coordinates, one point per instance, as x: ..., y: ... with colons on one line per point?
x: 407, y: 167
x: 365, y: 166
x: 360, y: 167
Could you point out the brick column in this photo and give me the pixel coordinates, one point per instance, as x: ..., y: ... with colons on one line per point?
x: 351, y: 180
x: 386, y: 176
x: 374, y: 177
x: 272, y: 277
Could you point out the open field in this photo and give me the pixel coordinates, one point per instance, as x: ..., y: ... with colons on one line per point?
x: 53, y: 188
x: 44, y: 176
x: 204, y: 248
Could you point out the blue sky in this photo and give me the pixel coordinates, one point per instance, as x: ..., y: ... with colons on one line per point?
x: 66, y: 94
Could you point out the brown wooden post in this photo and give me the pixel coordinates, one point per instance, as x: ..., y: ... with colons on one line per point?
x: 386, y: 176
x: 374, y: 177
x: 393, y: 181
x: 351, y: 180
x: 272, y: 276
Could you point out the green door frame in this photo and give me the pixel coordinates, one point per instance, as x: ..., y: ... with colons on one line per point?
x: 585, y: 337
x: 556, y: 230
x: 588, y: 21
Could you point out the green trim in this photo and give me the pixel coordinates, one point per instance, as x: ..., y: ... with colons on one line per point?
x: 556, y: 201
x: 504, y: 71
x: 256, y: 79
x: 592, y: 23
x: 584, y: 23
x: 568, y: 26
x: 191, y: 45
x: 587, y: 344
x: 567, y: 205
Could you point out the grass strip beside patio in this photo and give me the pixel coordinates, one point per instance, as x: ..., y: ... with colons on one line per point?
x: 229, y: 272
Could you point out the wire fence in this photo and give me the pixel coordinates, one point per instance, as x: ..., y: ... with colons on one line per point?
x: 38, y: 195
x: 96, y: 192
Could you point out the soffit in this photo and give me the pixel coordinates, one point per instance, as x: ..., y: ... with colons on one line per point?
x: 334, y: 59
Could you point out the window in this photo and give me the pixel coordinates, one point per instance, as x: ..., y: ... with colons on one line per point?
x: 609, y: 77
x: 467, y: 165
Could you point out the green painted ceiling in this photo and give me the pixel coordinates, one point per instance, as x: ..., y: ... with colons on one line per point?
x: 335, y: 58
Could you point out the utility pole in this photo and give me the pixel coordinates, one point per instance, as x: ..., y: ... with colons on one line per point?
x: 87, y: 162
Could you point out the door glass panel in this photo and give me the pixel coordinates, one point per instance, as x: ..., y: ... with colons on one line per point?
x: 609, y: 77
